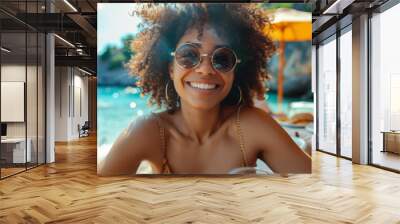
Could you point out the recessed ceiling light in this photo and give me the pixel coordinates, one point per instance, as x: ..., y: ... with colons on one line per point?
x: 70, y: 5
x: 5, y: 49
x: 86, y: 72
x: 64, y: 40
x: 337, y: 7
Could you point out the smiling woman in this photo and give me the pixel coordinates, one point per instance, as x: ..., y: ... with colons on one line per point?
x: 205, y: 63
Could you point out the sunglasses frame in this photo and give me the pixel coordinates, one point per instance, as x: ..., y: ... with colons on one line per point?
x: 237, y: 60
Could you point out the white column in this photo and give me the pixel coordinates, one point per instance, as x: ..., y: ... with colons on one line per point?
x: 360, y: 90
x: 50, y: 99
x: 50, y: 92
x: 62, y: 102
x: 314, y: 91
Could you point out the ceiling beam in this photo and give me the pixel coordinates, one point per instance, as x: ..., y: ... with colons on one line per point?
x: 337, y: 7
x: 49, y: 22
x: 85, y: 25
x: 81, y: 61
x: 320, y: 23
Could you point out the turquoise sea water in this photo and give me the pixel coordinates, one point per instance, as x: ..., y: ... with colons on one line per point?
x: 119, y: 106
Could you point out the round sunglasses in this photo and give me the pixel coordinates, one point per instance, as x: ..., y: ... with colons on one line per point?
x: 188, y: 56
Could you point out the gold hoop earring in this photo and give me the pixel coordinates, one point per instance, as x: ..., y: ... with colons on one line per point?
x: 240, y: 96
x: 166, y: 90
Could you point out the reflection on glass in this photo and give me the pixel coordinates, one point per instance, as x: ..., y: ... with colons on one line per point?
x: 31, y: 100
x: 22, y: 90
x: 385, y: 88
x: 346, y: 94
x: 14, y: 151
x: 250, y: 170
x: 327, y: 97
x: 41, y: 98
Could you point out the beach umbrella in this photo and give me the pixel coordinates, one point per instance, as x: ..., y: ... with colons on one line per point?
x: 287, y: 25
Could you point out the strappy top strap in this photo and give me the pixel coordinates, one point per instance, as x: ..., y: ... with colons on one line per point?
x: 241, y: 139
x: 164, y: 167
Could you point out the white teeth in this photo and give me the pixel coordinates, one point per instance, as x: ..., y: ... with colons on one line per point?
x: 202, y: 85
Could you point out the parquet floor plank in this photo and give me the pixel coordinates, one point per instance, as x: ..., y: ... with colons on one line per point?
x: 69, y: 191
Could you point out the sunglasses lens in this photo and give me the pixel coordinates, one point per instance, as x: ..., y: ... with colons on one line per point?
x: 224, y: 59
x: 187, y: 56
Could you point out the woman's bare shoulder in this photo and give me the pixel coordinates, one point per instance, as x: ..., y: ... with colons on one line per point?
x: 255, y: 115
x: 257, y: 125
x: 138, y: 142
x: 143, y: 134
x: 248, y: 116
x: 146, y: 124
x: 272, y: 142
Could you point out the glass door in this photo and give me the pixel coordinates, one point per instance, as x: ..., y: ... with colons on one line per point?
x: 385, y: 89
x: 13, y: 103
x: 327, y: 96
x: 22, y: 77
x: 346, y: 93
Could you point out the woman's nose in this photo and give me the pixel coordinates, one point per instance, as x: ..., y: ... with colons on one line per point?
x: 205, y: 66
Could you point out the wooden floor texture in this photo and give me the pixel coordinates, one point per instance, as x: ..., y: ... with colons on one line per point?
x: 69, y: 191
x: 387, y: 159
x: 10, y: 171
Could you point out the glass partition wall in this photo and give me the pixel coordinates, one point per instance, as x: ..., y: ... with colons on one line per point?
x: 334, y: 94
x: 327, y: 95
x: 22, y: 77
x: 13, y: 109
x: 385, y: 90
x: 345, y: 92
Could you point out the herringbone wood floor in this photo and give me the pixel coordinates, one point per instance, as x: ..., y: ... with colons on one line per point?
x: 69, y: 191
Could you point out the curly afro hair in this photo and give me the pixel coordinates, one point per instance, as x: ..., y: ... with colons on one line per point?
x: 242, y: 25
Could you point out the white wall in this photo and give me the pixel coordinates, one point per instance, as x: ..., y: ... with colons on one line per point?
x: 62, y: 81
x: 71, y: 94
x: 80, y: 114
x: 33, y: 127
x: 13, y: 73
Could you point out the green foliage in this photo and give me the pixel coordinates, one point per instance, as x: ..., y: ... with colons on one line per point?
x: 106, y: 55
x: 116, y: 61
x: 117, y: 57
x: 126, y: 50
x: 307, y: 7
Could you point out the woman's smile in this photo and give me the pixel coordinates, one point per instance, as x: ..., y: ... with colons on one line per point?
x: 203, y: 87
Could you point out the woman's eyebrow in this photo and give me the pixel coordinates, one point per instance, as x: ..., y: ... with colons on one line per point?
x: 221, y: 45
x: 215, y: 47
x: 194, y: 43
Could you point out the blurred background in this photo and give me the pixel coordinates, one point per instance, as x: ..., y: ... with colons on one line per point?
x: 120, y: 102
